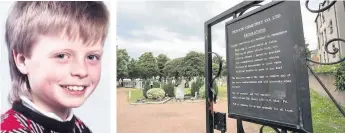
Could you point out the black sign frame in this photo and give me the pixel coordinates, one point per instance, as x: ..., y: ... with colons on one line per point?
x: 304, y: 123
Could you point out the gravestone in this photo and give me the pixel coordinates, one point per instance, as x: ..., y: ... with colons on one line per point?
x: 139, y: 84
x: 268, y: 79
x: 179, y: 91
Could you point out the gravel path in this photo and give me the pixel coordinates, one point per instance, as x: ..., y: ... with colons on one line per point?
x: 172, y: 117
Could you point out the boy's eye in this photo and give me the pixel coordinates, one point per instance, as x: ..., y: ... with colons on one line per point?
x: 93, y: 57
x: 61, y: 56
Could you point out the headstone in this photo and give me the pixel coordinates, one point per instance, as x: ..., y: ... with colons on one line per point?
x: 266, y: 65
x: 190, y: 84
x: 138, y: 84
x: 180, y: 90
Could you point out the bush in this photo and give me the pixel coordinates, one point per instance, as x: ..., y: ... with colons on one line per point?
x: 169, y: 89
x: 340, y: 77
x: 202, y: 92
x: 156, y: 84
x: 196, y: 86
x: 147, y: 87
x: 155, y: 93
x: 327, y: 69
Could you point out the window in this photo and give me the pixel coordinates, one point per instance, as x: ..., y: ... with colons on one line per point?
x: 330, y: 26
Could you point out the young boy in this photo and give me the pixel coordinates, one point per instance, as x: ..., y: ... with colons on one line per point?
x: 55, y: 51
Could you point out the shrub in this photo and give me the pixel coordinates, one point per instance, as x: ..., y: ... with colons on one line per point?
x: 340, y: 77
x: 155, y: 93
x: 156, y: 84
x: 327, y: 69
x: 169, y: 89
x: 147, y: 87
x: 196, y: 86
x: 202, y: 92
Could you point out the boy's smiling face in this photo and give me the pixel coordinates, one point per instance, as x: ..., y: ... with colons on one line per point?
x: 63, y: 73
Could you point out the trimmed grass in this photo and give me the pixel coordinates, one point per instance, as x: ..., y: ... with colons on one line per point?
x: 187, y: 91
x: 325, y: 116
x: 222, y: 92
x: 135, y: 95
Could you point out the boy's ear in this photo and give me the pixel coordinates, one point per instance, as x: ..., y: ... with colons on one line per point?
x: 19, y: 60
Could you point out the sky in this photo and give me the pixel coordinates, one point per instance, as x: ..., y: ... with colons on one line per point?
x: 175, y: 28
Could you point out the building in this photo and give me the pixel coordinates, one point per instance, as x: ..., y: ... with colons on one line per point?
x: 330, y: 24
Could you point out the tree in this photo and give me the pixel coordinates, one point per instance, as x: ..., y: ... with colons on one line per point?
x: 225, y: 69
x: 307, y: 50
x: 173, y: 68
x: 122, y: 61
x: 162, y: 59
x: 193, y: 65
x: 147, y: 65
x: 133, y: 70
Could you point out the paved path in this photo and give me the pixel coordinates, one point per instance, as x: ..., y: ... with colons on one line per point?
x: 168, y: 118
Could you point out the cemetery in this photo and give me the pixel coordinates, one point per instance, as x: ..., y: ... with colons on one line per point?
x: 265, y: 79
x: 170, y: 91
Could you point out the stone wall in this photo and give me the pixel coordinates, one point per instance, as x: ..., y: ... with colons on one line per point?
x: 328, y: 80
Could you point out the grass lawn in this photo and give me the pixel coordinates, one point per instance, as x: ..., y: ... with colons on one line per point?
x: 135, y: 95
x: 222, y: 92
x: 138, y: 94
x: 325, y: 116
x: 187, y: 91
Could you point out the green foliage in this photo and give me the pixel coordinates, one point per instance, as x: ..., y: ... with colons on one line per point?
x: 169, y: 89
x: 196, y: 86
x: 173, y: 68
x: 133, y: 69
x: 155, y: 93
x: 146, y: 88
x: 136, y: 94
x: 327, y: 69
x: 340, y: 77
x: 147, y: 65
x: 193, y: 64
x: 156, y: 84
x: 224, y: 69
x: 203, y: 93
x: 122, y: 61
x: 162, y: 59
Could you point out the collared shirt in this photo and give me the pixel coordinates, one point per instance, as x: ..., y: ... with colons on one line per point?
x: 28, y: 103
